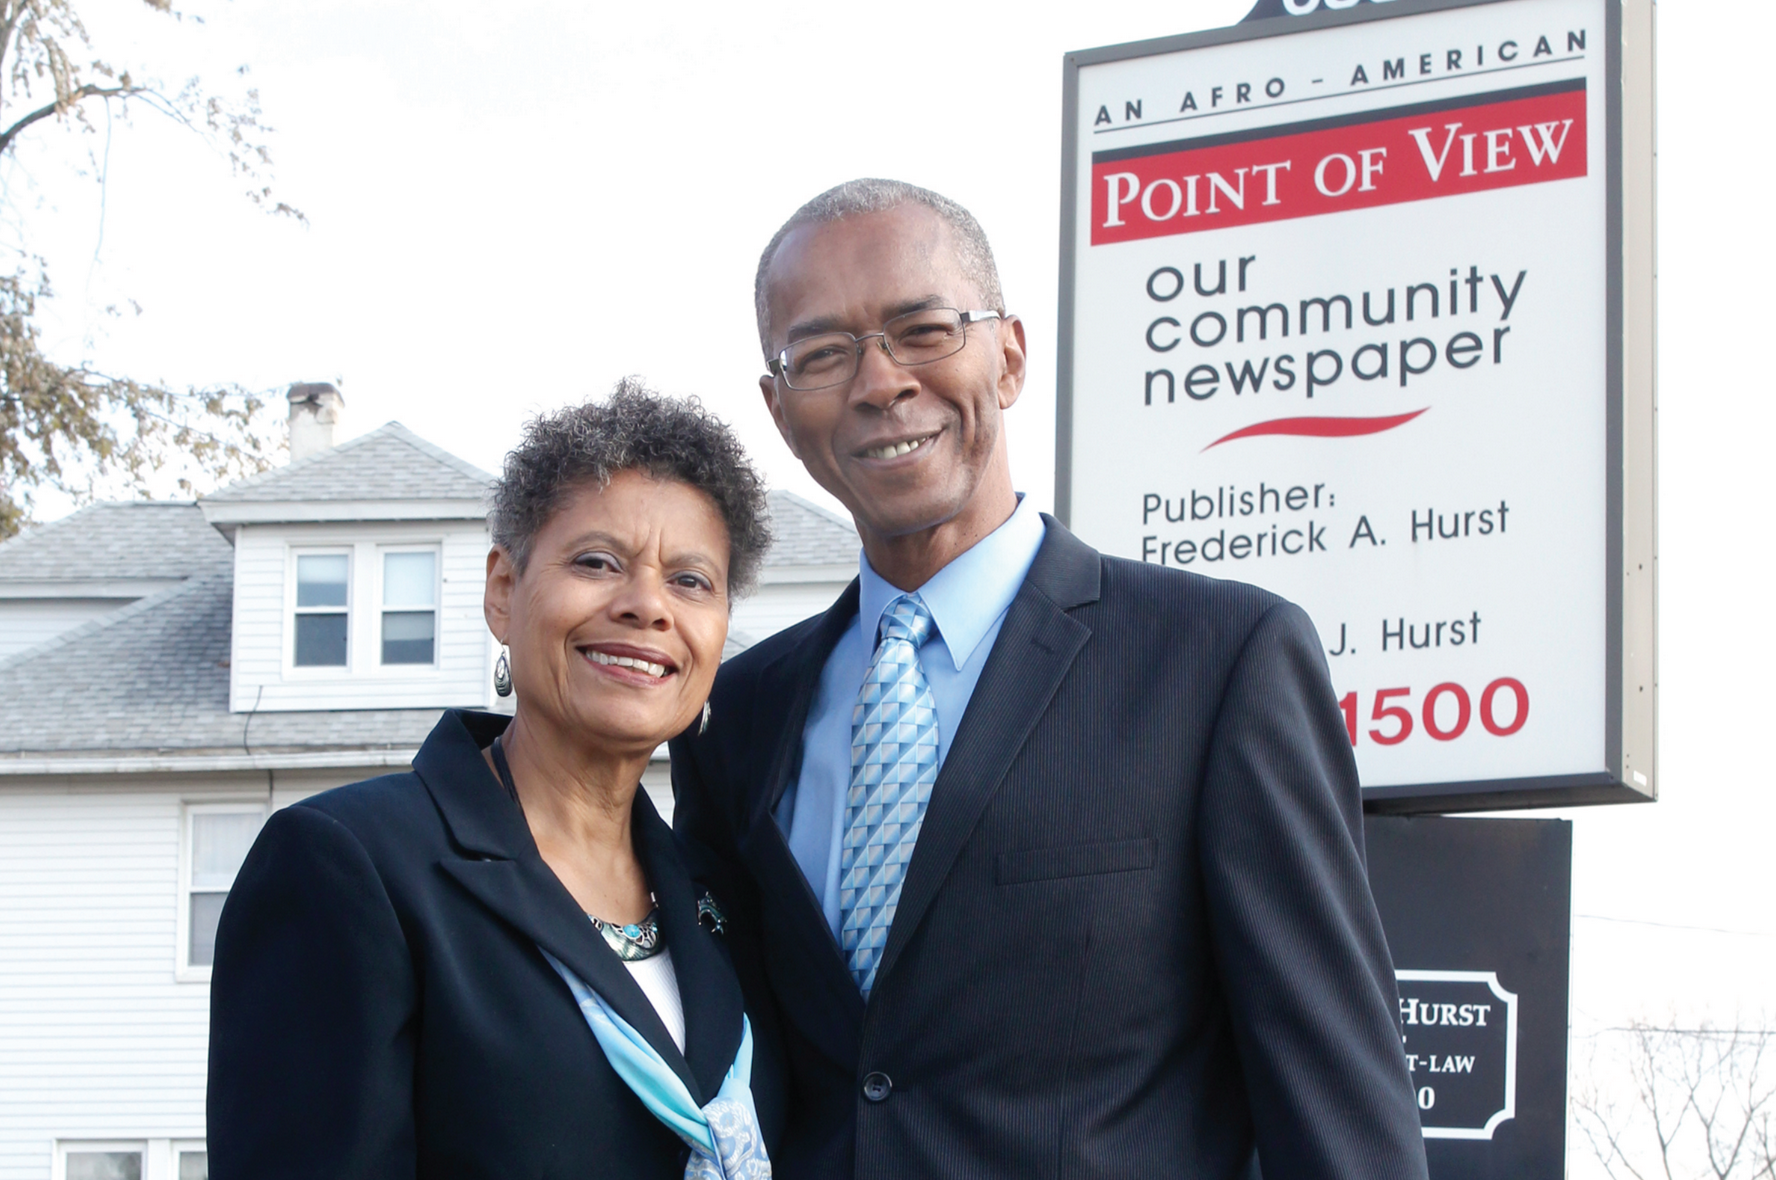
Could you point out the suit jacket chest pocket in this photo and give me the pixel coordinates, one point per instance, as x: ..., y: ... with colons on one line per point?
x: 1076, y: 860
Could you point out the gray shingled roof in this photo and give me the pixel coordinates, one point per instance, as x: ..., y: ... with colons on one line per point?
x: 152, y: 678
x: 389, y: 463
x: 122, y: 540
x: 807, y: 534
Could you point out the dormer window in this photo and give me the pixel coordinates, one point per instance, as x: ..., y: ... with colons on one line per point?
x: 410, y: 606
x: 364, y: 609
x: 323, y: 603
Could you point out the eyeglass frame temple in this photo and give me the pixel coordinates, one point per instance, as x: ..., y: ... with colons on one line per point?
x: 775, y: 364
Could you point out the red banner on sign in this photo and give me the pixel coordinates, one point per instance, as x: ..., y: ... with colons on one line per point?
x: 1387, y: 157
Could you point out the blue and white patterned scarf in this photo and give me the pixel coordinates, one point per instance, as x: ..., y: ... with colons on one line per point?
x: 724, y: 1135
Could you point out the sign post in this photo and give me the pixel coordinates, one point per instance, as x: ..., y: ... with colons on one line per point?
x: 1358, y: 306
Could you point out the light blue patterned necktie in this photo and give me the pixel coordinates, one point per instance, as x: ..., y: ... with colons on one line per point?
x: 893, y: 766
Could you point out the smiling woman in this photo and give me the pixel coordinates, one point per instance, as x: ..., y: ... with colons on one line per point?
x: 578, y: 1016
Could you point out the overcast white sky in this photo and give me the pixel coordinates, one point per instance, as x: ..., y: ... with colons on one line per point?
x: 512, y: 205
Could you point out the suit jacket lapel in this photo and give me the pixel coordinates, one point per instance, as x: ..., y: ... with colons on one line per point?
x: 1035, y: 648
x: 803, y: 948
x: 503, y: 871
x: 796, y: 675
x: 707, y: 986
x: 530, y: 897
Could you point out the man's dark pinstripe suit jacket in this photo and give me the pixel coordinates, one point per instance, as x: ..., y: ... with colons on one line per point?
x: 1136, y: 937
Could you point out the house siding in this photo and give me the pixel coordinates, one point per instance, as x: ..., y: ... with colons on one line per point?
x: 778, y: 605
x: 97, y: 1040
x: 260, y: 679
x: 26, y: 622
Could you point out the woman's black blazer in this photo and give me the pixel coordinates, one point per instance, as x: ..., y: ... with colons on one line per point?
x: 379, y: 1007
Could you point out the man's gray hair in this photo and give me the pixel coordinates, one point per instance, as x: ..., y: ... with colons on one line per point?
x: 870, y: 195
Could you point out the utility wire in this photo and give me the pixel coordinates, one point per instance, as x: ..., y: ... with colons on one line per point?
x: 1677, y: 926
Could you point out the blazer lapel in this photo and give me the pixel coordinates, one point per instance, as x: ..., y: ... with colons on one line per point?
x: 530, y: 897
x: 502, y: 870
x: 1035, y: 648
x: 800, y: 944
x: 707, y: 986
x: 796, y: 676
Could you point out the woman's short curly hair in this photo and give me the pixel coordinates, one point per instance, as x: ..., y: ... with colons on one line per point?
x: 635, y: 429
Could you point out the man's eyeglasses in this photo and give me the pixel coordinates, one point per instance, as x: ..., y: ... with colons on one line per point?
x: 916, y: 338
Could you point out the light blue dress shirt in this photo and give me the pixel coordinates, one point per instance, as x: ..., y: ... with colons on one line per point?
x: 968, y: 599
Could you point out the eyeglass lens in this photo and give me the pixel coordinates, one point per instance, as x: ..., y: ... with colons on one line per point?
x: 917, y: 338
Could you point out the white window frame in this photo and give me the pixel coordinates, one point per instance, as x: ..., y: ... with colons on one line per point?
x: 184, y: 971
x: 178, y: 1147
x: 437, y: 551
x: 64, y: 1146
x: 160, y: 1157
x: 322, y: 671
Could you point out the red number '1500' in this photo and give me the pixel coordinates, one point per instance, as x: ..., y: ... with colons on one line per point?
x: 1394, y: 717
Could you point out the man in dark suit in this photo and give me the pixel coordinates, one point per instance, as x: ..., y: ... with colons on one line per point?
x: 1052, y: 861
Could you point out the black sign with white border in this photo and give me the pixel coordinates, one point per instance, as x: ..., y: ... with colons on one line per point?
x: 1478, y: 920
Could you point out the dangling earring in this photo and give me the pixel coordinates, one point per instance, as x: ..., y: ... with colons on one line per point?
x: 704, y: 728
x: 502, y: 675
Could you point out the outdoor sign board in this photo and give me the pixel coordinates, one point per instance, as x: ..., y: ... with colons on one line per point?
x: 1358, y: 306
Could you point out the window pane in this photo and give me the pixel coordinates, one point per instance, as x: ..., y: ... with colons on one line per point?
x: 320, y: 641
x: 219, y: 843
x: 409, y: 579
x: 320, y: 579
x: 104, y: 1165
x: 206, y: 911
x: 407, y: 637
x: 194, y: 1165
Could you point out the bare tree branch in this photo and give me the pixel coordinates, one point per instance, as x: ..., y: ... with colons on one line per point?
x: 1702, y: 1102
x: 58, y: 107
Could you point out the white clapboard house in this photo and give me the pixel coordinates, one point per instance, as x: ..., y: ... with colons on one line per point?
x: 172, y: 671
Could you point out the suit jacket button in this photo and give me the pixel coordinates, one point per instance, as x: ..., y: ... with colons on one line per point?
x: 876, y: 1086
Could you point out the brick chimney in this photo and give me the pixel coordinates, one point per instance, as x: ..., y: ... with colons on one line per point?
x: 315, y: 408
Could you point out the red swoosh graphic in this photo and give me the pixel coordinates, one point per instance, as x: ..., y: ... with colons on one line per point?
x: 1319, y: 427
